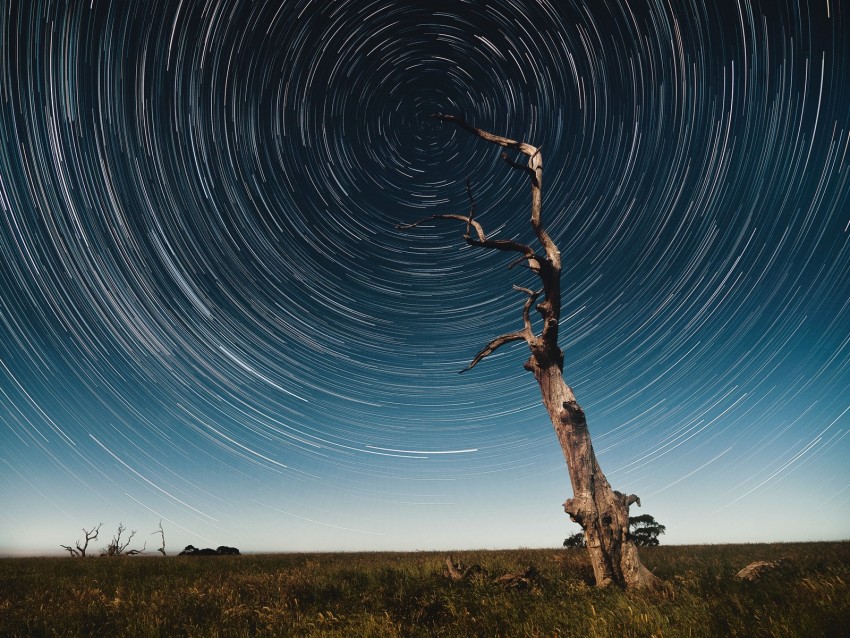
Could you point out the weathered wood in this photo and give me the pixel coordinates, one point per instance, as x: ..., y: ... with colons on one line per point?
x: 524, y: 579
x: 456, y: 571
x: 757, y: 570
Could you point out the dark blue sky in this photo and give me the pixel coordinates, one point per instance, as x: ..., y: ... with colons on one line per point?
x: 207, y: 315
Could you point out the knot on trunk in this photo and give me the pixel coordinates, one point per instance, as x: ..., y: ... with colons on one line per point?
x: 574, y: 411
x: 544, y: 356
x: 577, y: 511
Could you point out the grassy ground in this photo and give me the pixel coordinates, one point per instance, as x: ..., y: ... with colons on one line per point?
x: 408, y: 595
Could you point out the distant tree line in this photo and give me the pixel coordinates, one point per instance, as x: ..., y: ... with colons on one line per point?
x: 120, y: 544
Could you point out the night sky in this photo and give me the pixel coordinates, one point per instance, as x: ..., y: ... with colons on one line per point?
x: 209, y: 318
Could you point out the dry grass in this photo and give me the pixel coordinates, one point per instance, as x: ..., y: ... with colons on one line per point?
x: 407, y: 595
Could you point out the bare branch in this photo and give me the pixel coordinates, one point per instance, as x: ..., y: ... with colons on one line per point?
x: 471, y: 209
x: 80, y: 550
x: 431, y: 218
x: 520, y: 167
x: 526, y: 310
x: 533, y: 263
x: 547, y: 266
x: 535, y: 171
x: 494, y: 345
x: 123, y: 547
x: 523, y: 147
x: 117, y: 548
x: 507, y: 245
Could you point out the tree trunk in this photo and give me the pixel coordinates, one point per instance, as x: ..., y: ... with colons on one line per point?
x: 602, y: 512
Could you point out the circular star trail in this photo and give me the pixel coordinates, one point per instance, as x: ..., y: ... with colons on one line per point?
x: 209, y: 316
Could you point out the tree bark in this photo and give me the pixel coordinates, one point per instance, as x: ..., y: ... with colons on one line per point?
x: 602, y: 512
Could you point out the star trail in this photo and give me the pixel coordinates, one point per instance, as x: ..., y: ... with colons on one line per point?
x: 208, y: 316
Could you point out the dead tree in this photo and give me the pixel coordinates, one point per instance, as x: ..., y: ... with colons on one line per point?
x: 80, y: 550
x: 602, y: 512
x: 161, y: 532
x: 117, y: 548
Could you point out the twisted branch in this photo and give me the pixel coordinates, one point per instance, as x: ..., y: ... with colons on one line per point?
x: 490, y: 348
x: 526, y: 319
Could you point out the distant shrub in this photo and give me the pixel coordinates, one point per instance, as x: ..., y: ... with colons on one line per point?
x: 222, y: 550
x: 576, y: 540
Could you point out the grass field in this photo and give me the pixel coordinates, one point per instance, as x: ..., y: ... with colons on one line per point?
x: 389, y: 594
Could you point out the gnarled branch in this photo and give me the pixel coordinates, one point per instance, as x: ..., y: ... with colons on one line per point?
x: 549, y: 269
x: 471, y: 209
x: 547, y: 266
x: 524, y: 168
x: 526, y: 334
x: 535, y: 170
x: 117, y: 548
x: 80, y: 550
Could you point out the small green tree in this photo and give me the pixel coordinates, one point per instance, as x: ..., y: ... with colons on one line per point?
x: 644, y: 531
x: 576, y: 540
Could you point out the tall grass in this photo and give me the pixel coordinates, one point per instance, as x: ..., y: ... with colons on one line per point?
x: 388, y: 594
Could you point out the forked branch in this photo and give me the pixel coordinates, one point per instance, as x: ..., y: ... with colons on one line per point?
x: 522, y: 167
x: 117, y: 548
x: 535, y: 171
x: 80, y: 550
x: 161, y: 532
